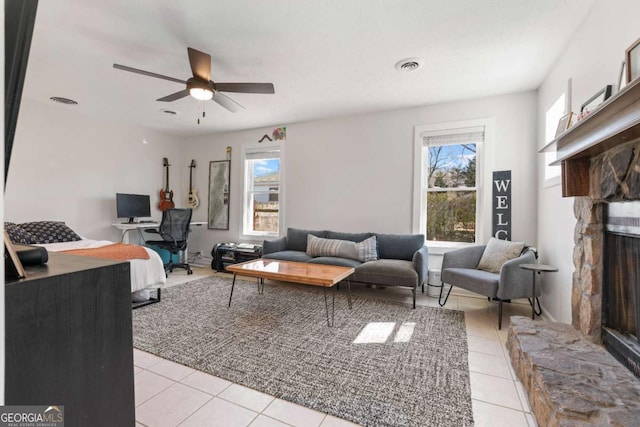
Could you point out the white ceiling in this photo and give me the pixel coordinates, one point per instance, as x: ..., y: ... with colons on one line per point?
x: 326, y: 58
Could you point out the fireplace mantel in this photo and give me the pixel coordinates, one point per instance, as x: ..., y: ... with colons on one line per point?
x: 614, y: 122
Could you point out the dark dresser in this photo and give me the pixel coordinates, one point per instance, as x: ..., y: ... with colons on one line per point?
x: 69, y: 340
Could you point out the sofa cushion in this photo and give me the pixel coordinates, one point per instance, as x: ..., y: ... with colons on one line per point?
x: 17, y: 234
x: 329, y: 260
x: 50, y: 231
x: 352, y: 237
x: 399, y: 246
x: 297, y: 238
x: 297, y: 256
x: 363, y: 251
x: 497, y: 252
x: 480, y: 281
x: 389, y: 272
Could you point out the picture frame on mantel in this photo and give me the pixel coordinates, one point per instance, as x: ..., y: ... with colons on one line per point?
x: 597, y: 99
x: 632, y: 58
x: 564, y: 123
x: 622, y: 77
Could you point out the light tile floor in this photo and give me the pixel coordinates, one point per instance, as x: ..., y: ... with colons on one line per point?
x: 170, y: 394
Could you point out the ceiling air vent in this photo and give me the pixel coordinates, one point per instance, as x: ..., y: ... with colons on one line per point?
x: 63, y: 100
x: 409, y: 64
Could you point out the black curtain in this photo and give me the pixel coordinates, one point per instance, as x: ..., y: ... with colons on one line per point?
x: 19, y: 19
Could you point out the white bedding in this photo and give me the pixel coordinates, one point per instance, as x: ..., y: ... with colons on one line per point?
x: 145, y: 273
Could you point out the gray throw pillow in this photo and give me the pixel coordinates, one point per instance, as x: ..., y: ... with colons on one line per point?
x: 497, y: 252
x: 363, y: 251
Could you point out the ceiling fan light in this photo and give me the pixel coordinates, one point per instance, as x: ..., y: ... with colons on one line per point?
x: 201, y: 94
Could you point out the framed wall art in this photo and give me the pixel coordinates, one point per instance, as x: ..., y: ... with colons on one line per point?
x: 219, y: 182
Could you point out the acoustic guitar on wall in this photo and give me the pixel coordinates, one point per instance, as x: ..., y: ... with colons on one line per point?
x: 192, y: 197
x: 166, y: 195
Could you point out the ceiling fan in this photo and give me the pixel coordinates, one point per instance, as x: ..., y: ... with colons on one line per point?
x: 200, y: 85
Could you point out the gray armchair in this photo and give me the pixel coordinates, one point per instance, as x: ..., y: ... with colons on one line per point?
x: 459, y: 268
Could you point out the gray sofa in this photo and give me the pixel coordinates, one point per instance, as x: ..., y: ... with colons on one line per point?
x: 402, y: 258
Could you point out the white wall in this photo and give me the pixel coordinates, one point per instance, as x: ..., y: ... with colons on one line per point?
x: 351, y: 173
x: 592, y: 60
x: 356, y: 173
x: 67, y: 167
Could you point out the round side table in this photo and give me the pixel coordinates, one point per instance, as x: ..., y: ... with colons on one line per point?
x: 537, y: 268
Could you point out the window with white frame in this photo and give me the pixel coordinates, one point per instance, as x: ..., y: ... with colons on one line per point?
x: 448, y: 182
x: 262, y: 191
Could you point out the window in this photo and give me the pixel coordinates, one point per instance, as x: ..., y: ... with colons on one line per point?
x: 262, y: 191
x: 446, y: 179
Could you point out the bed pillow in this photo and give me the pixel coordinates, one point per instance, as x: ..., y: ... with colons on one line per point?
x: 363, y: 251
x: 17, y: 234
x: 497, y: 252
x: 50, y: 232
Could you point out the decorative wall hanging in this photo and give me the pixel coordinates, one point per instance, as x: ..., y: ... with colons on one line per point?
x: 219, y: 182
x: 280, y: 134
x: 501, y: 209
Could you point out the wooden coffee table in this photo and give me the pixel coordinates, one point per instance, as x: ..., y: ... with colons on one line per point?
x: 326, y: 276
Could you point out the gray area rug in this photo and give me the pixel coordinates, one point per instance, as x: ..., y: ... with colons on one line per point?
x: 279, y: 343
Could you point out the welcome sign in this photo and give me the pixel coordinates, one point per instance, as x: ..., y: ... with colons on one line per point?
x: 501, y: 213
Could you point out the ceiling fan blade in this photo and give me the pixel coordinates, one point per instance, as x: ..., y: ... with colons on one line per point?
x: 174, y: 96
x: 227, y: 102
x: 200, y: 64
x: 245, y: 87
x: 147, y: 73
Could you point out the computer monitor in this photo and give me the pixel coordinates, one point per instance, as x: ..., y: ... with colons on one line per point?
x: 133, y: 206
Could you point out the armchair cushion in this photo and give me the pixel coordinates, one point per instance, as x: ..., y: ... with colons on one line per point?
x: 497, y: 252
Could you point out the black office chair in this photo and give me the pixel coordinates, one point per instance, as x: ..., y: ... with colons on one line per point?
x: 174, y: 230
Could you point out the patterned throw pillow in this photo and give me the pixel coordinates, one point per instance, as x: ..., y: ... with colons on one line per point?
x: 50, y: 232
x: 17, y: 234
x: 363, y: 251
x: 497, y: 252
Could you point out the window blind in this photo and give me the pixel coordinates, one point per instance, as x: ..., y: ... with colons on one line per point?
x: 262, y: 154
x: 453, y: 136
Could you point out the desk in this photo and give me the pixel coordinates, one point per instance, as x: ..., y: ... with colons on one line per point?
x: 125, y: 227
x: 539, y: 268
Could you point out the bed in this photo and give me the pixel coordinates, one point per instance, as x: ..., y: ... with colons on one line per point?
x: 55, y: 236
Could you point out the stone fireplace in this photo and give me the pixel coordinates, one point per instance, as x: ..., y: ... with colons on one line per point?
x: 586, y: 373
x: 604, y: 303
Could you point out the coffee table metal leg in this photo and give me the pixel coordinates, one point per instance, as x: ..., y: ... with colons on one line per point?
x: 349, y: 292
x: 333, y: 305
x: 260, y: 285
x: 232, y: 286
